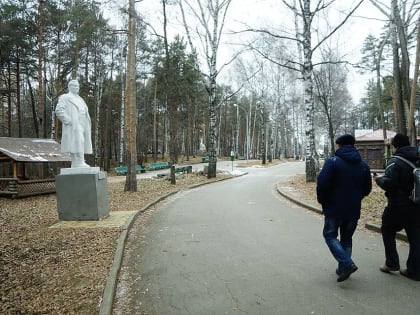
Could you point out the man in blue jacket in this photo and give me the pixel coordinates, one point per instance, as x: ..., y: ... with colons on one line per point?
x: 342, y: 183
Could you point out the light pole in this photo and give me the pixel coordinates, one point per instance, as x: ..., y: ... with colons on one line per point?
x: 237, y: 130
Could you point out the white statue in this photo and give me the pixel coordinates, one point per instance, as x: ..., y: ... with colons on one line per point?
x: 73, y: 112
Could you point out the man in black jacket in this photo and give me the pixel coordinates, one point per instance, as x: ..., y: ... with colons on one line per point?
x: 400, y: 212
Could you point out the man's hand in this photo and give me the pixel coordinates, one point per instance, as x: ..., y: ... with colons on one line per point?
x: 375, y: 176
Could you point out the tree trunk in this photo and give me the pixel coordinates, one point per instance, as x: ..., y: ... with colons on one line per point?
x: 33, y: 106
x: 397, y: 93
x: 405, y: 61
x: 130, y: 103
x: 41, y: 105
x: 122, y: 114
x: 173, y: 113
x: 212, y: 122
x: 379, y: 89
x: 18, y: 107
x: 311, y: 163
x: 9, y: 101
x: 155, y: 143
x: 411, y: 127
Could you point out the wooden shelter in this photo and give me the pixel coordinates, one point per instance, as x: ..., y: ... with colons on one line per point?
x: 373, y: 147
x: 28, y: 166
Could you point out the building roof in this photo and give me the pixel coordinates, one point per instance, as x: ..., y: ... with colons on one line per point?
x: 31, y: 150
x: 376, y: 135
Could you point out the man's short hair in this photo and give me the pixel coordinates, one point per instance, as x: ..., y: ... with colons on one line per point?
x: 400, y: 141
x: 345, y: 140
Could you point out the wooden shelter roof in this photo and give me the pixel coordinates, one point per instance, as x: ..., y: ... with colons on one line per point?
x: 32, y: 150
x: 376, y: 135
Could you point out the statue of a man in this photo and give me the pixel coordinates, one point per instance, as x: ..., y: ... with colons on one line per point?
x: 73, y: 113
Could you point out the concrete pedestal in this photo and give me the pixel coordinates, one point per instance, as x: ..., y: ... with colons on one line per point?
x: 82, y: 196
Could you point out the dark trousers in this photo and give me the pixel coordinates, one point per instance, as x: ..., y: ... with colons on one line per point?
x: 395, y: 219
x: 341, y: 248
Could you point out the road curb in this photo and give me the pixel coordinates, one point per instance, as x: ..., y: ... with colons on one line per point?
x: 296, y: 201
x: 370, y: 226
x: 112, y: 278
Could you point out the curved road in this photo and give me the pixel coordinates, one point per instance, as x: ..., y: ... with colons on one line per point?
x: 237, y: 247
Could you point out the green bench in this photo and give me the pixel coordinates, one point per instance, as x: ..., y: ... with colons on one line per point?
x: 122, y: 170
x: 184, y: 169
x: 140, y: 169
x: 205, y: 159
x: 159, y: 166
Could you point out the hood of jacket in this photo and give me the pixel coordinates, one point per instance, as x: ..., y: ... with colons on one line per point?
x: 349, y: 154
x: 410, y: 153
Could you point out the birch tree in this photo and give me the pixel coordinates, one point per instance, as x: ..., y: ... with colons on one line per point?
x: 306, y: 16
x: 209, y: 18
x: 305, y: 12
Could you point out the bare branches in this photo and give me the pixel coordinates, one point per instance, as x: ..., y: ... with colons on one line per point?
x: 338, y: 26
x: 267, y: 32
x: 289, y: 64
x: 381, y: 6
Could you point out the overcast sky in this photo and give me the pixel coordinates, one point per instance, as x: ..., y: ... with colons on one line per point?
x: 367, y: 20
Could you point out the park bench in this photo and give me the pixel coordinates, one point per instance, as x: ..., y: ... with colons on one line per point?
x: 159, y: 165
x: 140, y: 169
x: 122, y: 170
x: 205, y: 159
x: 184, y: 169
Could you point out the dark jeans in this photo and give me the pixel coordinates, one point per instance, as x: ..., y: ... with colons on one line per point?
x: 340, y: 249
x: 394, y: 220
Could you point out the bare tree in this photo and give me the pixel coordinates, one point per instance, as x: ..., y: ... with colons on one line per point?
x: 130, y: 101
x: 307, y: 16
x: 41, y: 122
x: 331, y: 93
x: 304, y: 16
x: 400, y: 16
x: 210, y: 18
x: 414, y: 89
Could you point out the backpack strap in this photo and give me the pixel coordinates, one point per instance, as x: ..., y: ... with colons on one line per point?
x: 405, y: 160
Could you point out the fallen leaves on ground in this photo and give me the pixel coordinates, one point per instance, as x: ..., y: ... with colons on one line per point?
x: 372, y: 205
x: 63, y: 271
x: 47, y: 270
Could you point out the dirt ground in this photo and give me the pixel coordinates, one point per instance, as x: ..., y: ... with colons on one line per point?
x: 46, y: 270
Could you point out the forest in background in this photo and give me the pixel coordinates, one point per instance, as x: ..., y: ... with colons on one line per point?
x: 291, y: 93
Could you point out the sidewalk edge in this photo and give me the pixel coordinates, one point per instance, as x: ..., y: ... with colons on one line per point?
x: 370, y: 226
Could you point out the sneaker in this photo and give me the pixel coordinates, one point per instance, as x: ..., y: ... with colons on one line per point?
x: 345, y: 274
x: 385, y: 268
x: 404, y: 272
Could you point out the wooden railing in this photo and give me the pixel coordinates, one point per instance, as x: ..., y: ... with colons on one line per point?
x: 15, y: 188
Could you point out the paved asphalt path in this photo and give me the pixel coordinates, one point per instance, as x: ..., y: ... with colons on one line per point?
x: 237, y: 247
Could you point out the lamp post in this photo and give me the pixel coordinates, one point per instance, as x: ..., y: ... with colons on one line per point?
x: 237, y: 130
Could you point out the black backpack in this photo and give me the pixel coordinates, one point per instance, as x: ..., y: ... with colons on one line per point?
x: 415, y: 193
